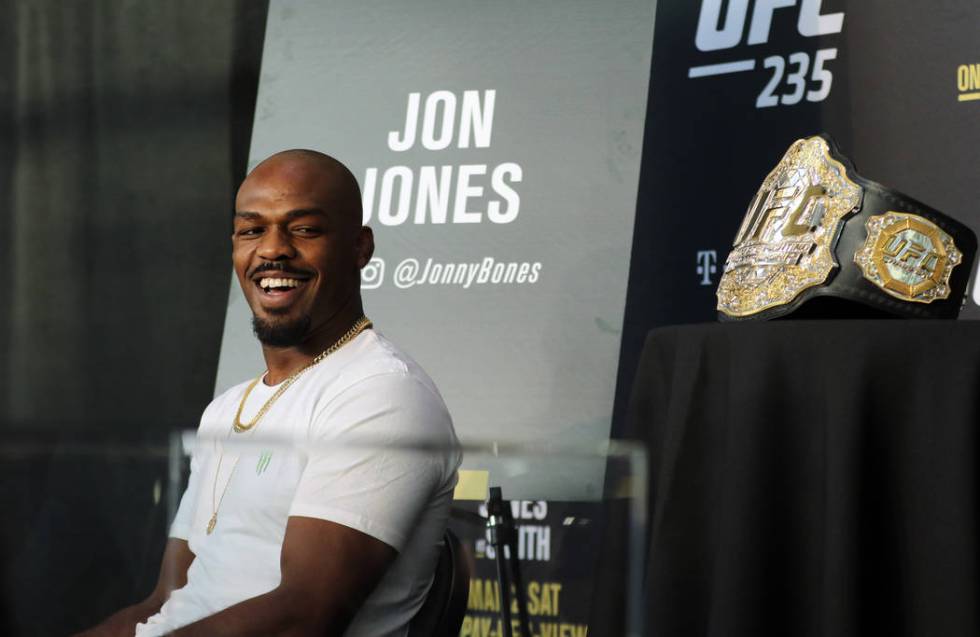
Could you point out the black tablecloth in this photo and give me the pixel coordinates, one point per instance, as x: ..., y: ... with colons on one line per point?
x: 812, y: 478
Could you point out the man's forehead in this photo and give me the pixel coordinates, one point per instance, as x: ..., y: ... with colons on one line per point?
x: 297, y: 176
x: 270, y: 193
x: 285, y: 180
x: 288, y: 214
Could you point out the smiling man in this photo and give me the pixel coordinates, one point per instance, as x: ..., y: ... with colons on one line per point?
x: 333, y: 535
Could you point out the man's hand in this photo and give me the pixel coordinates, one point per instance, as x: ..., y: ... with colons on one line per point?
x: 177, y: 558
x: 123, y: 623
x: 328, y: 570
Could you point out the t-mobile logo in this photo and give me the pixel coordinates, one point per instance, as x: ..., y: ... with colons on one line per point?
x: 706, y: 265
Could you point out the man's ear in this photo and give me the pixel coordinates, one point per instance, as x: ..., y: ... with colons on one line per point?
x: 364, y: 246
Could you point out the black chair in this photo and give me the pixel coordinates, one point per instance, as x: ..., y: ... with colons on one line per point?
x: 442, y: 612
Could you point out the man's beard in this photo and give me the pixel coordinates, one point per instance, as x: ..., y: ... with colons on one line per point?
x: 281, y: 333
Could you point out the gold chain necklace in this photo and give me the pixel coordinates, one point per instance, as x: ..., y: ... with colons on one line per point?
x: 359, y: 326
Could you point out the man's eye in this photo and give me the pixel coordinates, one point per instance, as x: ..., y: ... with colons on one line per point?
x: 246, y: 232
x: 306, y: 230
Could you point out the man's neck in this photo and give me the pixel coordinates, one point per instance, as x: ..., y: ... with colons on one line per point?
x: 283, y: 362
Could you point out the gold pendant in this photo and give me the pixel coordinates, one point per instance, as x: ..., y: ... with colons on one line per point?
x: 212, y: 522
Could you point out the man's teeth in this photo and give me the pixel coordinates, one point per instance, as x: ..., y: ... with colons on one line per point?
x: 279, y: 283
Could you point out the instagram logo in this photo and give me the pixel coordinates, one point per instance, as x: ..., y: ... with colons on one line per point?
x: 373, y: 274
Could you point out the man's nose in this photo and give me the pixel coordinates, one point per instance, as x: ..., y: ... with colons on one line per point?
x: 276, y: 245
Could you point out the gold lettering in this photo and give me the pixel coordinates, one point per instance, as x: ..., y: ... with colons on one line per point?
x: 895, y: 245
x: 753, y: 219
x: 476, y: 627
x: 913, y: 252
x: 769, y: 207
x: 533, y: 590
x: 491, y: 595
x: 549, y: 599
x: 975, y: 77
x: 963, y: 77
x: 475, y: 601
x: 484, y: 595
x: 794, y: 227
x: 773, y: 214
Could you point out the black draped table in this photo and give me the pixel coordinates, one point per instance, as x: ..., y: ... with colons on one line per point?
x: 812, y: 478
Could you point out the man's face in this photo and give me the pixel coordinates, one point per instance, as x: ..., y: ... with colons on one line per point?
x: 297, y: 249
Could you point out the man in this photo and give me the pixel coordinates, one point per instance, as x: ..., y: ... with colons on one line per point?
x: 342, y: 536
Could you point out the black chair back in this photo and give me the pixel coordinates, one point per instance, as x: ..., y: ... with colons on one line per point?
x: 442, y: 612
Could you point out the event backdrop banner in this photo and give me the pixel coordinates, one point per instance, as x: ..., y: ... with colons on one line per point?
x: 498, y: 150
x: 733, y: 83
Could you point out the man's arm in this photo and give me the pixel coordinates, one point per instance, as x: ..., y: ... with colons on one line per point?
x: 328, y: 570
x: 177, y: 558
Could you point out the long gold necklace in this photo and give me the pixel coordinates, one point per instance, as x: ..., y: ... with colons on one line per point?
x: 359, y: 326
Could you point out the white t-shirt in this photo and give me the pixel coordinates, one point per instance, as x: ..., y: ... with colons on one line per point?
x: 348, y: 419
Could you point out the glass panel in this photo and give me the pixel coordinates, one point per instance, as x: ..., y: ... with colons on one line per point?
x: 87, y: 521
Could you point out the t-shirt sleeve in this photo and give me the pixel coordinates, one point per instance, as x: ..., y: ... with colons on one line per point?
x: 359, y: 472
x: 181, y: 527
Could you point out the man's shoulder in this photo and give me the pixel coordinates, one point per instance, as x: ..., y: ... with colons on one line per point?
x: 377, y: 386
x: 374, y: 359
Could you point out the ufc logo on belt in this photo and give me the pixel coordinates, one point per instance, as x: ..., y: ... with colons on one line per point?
x: 911, y: 254
x: 790, y: 210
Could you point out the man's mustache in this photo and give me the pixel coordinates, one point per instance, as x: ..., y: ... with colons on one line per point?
x: 273, y: 266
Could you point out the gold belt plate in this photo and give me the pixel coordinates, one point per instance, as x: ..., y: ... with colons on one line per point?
x: 785, y: 243
x: 908, y: 257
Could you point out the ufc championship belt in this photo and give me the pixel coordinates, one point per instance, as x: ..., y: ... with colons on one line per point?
x: 818, y: 230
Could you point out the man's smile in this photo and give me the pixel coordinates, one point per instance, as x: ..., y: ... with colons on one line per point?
x: 278, y: 289
x: 270, y: 284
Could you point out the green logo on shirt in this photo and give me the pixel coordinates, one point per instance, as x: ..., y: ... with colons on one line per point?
x: 264, y: 458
